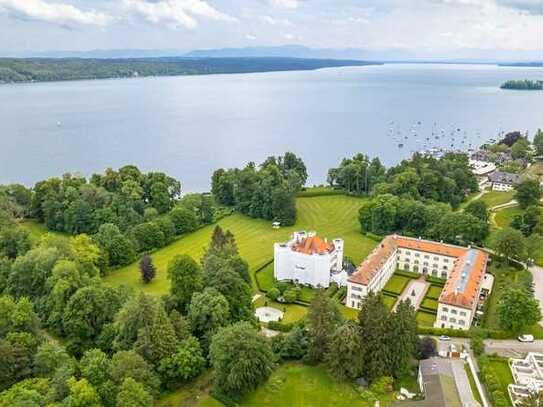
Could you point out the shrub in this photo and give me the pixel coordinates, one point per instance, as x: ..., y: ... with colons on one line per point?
x: 273, y: 293
x: 280, y: 326
x: 290, y: 295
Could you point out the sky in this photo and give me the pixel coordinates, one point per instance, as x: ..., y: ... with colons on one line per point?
x: 422, y: 27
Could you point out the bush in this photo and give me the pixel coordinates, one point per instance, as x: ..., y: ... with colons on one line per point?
x: 282, y: 286
x: 290, y: 295
x: 273, y: 293
x: 477, y: 345
x: 408, y: 274
x: 280, y: 326
x: 341, y: 294
x: 424, y: 330
x: 332, y: 290
x: 382, y: 385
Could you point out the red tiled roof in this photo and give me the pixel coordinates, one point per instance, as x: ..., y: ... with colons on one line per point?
x: 430, y: 247
x: 313, y: 245
x: 373, y: 263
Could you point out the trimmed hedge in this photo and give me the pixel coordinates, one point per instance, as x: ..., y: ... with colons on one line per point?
x: 436, y: 281
x: 340, y: 294
x: 428, y: 310
x: 280, y: 326
x: 319, y: 192
x: 408, y: 274
x: 459, y: 333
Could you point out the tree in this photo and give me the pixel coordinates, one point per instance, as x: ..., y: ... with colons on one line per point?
x: 208, y: 311
x: 322, y: 319
x: 273, y: 293
x: 82, y: 394
x: 520, y: 149
x: 538, y: 142
x: 402, y: 338
x: 94, y: 366
x: 49, y: 357
x: 186, y: 363
x: 147, y: 269
x: 479, y: 209
x: 528, y: 193
x: 133, y: 394
x: 533, y: 245
x: 518, y: 309
x: 427, y: 347
x: 14, y: 241
x: 184, y: 220
x: 148, y: 236
x: 373, y: 320
x: 345, y: 352
x: 180, y: 325
x: 120, y: 250
x: 126, y: 364
x: 527, y: 221
x: 157, y: 340
x: 284, y: 206
x: 293, y: 345
x: 509, y: 243
x: 29, y: 392
x: 185, y: 277
x: 242, y: 359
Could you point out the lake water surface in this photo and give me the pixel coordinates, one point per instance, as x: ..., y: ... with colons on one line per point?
x: 189, y: 126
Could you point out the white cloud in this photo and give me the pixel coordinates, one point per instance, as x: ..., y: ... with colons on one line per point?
x: 176, y: 13
x: 275, y: 21
x: 250, y: 37
x: 285, y: 3
x: 59, y: 13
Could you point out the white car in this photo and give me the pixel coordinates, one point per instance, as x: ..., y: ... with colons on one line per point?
x: 444, y: 338
x: 526, y: 338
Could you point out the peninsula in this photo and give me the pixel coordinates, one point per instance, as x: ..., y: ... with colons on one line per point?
x: 523, y: 85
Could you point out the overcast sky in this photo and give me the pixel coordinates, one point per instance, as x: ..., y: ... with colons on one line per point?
x: 427, y: 27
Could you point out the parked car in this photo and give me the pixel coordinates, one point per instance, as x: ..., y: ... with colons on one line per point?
x: 444, y: 338
x: 526, y: 338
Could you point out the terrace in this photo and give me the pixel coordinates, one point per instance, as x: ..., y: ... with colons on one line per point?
x: 528, y: 376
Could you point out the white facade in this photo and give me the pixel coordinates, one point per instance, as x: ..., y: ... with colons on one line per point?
x: 528, y: 376
x: 450, y: 316
x: 313, y: 268
x: 498, y: 186
x: 433, y: 264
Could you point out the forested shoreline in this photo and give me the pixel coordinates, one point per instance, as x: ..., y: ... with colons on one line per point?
x: 523, y: 85
x: 14, y: 70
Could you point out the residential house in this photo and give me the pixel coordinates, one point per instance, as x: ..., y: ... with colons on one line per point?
x: 503, y: 181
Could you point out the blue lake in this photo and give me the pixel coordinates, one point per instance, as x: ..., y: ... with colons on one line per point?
x: 189, y: 126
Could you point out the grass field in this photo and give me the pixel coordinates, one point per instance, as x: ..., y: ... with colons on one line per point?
x: 265, y: 277
x: 425, y: 319
x: 331, y: 216
x: 494, y: 198
x: 396, y: 284
x: 433, y: 292
x: 472, y: 384
x: 429, y: 303
x: 504, y: 277
x: 502, y: 372
x: 297, y: 385
x: 37, y: 230
x: 505, y: 216
x: 389, y: 300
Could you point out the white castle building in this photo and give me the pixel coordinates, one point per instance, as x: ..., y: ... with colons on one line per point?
x: 309, y: 260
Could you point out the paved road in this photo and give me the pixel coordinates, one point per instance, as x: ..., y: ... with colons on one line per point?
x: 503, y: 347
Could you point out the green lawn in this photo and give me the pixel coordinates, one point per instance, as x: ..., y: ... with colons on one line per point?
x: 429, y: 303
x: 189, y: 394
x: 331, y: 216
x: 502, y: 372
x: 433, y: 292
x: 495, y: 198
x: 472, y: 384
x: 389, y: 300
x: 37, y: 230
x: 505, y: 216
x: 297, y: 385
x: 292, y: 312
x: 265, y: 277
x: 425, y: 319
x: 396, y: 284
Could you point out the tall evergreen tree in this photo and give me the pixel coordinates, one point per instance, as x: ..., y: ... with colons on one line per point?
x: 147, y: 269
x: 185, y: 278
x: 157, y: 341
x: 322, y: 320
x: 403, y: 340
x: 345, y: 353
x: 373, y: 320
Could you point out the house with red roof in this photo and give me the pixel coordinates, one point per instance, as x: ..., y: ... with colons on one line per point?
x: 308, y: 259
x: 463, y: 268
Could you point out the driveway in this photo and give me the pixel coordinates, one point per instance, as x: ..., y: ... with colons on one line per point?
x: 503, y: 347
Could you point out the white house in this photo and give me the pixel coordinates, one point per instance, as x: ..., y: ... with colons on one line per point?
x: 504, y: 181
x: 308, y: 259
x: 462, y: 267
x: 528, y: 377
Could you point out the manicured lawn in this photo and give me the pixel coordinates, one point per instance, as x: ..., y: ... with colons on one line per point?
x: 502, y: 372
x: 505, y: 216
x: 425, y: 319
x: 265, y: 277
x: 396, y: 284
x: 293, y: 312
x: 429, y: 303
x: 433, y: 292
x: 389, y: 300
x: 472, y: 384
x: 297, y: 385
x: 495, y: 198
x: 190, y: 393
x: 331, y: 216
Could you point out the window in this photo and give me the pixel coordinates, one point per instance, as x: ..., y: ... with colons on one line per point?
x: 426, y: 256
x: 452, y: 320
x: 443, y: 317
x: 462, y: 313
x: 353, y: 304
x: 407, y: 259
x: 425, y: 263
x: 416, y: 262
x: 436, y: 258
x: 417, y: 254
x: 443, y: 274
x: 445, y: 309
x: 406, y: 266
x: 454, y: 312
x: 434, y: 273
x: 445, y: 260
x: 444, y: 267
x: 461, y: 322
x: 407, y: 253
x: 424, y: 270
x: 434, y: 265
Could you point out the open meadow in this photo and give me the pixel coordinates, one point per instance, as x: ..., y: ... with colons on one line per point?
x: 330, y: 216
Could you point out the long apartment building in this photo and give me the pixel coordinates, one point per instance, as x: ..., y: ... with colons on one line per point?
x: 462, y: 267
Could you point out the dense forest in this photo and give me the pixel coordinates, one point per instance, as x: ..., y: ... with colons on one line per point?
x: 49, y: 69
x: 266, y: 192
x: 524, y: 84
